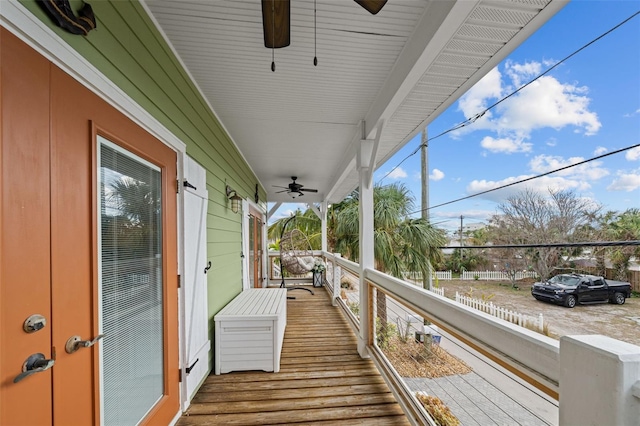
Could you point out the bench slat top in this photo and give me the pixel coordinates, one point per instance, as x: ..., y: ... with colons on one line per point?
x: 254, y: 302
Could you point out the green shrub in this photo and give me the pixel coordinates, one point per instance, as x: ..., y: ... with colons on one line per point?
x: 384, y: 333
x: 438, y: 411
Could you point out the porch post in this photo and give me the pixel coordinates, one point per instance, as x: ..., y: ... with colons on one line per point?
x: 599, y: 381
x: 323, y: 226
x: 337, y: 272
x: 365, y: 164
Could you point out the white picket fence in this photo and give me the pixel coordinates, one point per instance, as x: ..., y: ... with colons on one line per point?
x: 441, y: 275
x: 495, y: 275
x: 502, y: 313
x: 444, y: 275
x: 438, y: 290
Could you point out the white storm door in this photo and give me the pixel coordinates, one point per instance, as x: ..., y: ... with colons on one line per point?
x: 196, y: 335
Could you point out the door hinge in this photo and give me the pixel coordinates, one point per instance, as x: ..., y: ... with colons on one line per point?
x: 179, y: 281
x: 188, y: 185
x: 177, y: 186
x: 180, y: 375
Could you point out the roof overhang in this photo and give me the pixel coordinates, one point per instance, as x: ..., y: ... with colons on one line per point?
x: 401, y: 67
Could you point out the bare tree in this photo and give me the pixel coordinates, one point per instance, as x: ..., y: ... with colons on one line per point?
x: 531, y: 218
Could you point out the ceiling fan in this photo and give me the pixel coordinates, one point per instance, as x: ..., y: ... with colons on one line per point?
x: 276, y: 17
x: 294, y: 188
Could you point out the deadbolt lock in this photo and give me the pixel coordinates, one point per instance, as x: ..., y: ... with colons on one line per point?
x: 75, y: 342
x: 34, y: 323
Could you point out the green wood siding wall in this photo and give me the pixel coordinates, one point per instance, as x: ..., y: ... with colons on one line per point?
x: 129, y: 50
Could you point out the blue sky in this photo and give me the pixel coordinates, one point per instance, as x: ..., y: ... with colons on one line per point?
x: 587, y: 106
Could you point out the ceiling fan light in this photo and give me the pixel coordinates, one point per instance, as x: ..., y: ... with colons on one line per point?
x: 276, y: 23
x: 372, y: 6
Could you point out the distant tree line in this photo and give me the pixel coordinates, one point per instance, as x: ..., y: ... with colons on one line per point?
x: 530, y: 217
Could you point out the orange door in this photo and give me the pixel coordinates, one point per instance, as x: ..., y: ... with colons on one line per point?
x: 51, y: 255
x: 255, y: 248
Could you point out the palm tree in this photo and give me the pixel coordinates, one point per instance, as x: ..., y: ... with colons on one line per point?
x: 401, y: 243
x: 624, y: 227
x: 306, y: 221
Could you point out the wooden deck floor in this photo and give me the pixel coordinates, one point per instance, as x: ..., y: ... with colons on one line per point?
x: 322, y: 379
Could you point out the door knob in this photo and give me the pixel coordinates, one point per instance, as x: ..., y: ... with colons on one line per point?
x: 75, y: 342
x: 36, y: 363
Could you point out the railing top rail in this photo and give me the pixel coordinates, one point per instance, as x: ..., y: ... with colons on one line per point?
x: 530, y: 355
x: 344, y: 263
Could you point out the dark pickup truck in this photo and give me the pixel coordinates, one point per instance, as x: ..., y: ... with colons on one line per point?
x: 569, y: 289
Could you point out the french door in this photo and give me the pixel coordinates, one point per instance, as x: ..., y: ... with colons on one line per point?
x: 88, y: 280
x: 256, y: 251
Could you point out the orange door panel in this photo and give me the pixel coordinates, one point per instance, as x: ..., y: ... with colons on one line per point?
x: 24, y: 231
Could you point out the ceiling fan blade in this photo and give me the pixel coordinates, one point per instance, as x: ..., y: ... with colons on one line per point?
x: 284, y: 190
x: 276, y: 20
x: 308, y: 190
x: 278, y: 186
x: 372, y: 6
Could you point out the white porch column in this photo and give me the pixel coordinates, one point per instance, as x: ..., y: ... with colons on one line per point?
x: 366, y: 239
x: 599, y: 381
x: 323, y: 226
x: 337, y: 272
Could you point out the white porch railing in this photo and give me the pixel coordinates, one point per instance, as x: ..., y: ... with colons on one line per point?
x: 495, y: 275
x: 540, y: 360
x: 523, y: 320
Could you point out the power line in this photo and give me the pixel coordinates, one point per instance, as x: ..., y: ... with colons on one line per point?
x: 473, y: 119
x: 551, y: 245
x: 532, y: 177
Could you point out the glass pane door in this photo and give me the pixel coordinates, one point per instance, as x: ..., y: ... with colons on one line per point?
x: 252, y: 242
x: 130, y: 268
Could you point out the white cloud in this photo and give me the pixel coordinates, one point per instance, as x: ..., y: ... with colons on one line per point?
x: 600, y: 150
x: 541, y: 185
x: 476, y: 99
x: 505, y: 145
x: 544, y: 103
x: 548, y: 103
x: 436, y: 175
x: 633, y: 154
x: 397, y: 173
x: 588, y: 171
x: 521, y: 73
x: 636, y: 112
x: 625, y: 182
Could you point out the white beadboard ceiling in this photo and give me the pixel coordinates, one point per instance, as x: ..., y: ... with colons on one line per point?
x: 403, y: 66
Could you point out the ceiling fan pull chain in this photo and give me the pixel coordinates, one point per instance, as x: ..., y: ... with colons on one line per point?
x: 273, y: 36
x: 315, y: 36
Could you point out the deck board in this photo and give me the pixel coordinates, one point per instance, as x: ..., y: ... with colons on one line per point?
x: 322, y: 379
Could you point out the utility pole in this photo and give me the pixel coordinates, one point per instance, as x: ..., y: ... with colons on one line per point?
x: 461, y: 240
x: 424, y: 147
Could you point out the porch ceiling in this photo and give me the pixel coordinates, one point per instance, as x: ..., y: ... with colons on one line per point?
x: 404, y: 65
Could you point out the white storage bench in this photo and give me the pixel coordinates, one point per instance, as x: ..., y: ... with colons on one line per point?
x: 250, y: 331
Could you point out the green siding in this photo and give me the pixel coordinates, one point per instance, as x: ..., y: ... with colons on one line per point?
x: 129, y: 50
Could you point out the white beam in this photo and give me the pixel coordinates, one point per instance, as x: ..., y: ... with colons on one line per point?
x: 273, y: 209
x: 374, y: 151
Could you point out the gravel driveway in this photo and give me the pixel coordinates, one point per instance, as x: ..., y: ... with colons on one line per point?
x: 620, y: 322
